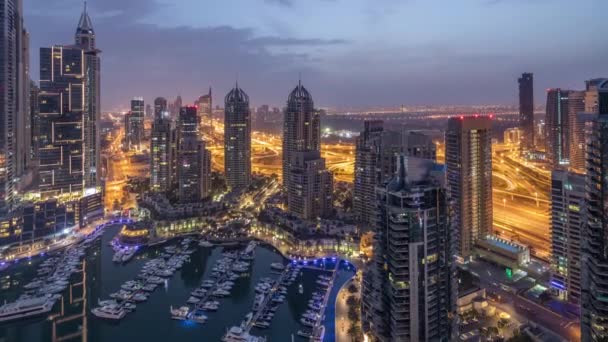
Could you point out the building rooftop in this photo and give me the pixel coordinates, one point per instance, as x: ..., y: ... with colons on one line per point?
x: 509, y: 246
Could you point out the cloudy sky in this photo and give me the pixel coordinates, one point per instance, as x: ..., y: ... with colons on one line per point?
x: 356, y: 53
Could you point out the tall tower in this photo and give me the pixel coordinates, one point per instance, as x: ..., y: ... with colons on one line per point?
x: 14, y: 99
x: 237, y: 139
x: 526, y: 111
x: 205, y: 112
x: 134, y: 124
x: 161, y: 153
x: 468, y: 156
x: 576, y: 128
x: 567, y: 210
x: 310, y: 189
x: 594, y: 307
x: 85, y: 39
x: 301, y: 127
x: 160, y: 108
x: 409, y: 289
x: 557, y: 131
x: 62, y: 127
x: 193, y: 159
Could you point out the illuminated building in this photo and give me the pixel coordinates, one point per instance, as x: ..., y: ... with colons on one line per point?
x: 375, y: 161
x: 85, y: 39
x: 301, y: 127
x: 135, y: 234
x: 134, y: 124
x: 581, y: 125
x: 468, y: 156
x: 14, y: 100
x: 205, y: 112
x: 512, y: 136
x: 161, y: 157
x: 193, y: 159
x: 237, y: 139
x: 526, y: 111
x: 567, y: 209
x: 594, y: 303
x: 310, y: 186
x: 409, y: 289
x: 62, y: 106
x: 160, y: 107
x: 557, y: 130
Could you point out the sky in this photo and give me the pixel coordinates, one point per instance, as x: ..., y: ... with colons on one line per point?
x: 349, y: 53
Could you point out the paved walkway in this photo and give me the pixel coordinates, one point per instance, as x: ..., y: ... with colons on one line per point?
x: 342, y: 321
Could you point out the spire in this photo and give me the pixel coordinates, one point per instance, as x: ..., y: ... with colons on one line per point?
x: 84, y: 24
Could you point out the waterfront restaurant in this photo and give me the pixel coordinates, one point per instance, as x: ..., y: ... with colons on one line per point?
x: 133, y: 234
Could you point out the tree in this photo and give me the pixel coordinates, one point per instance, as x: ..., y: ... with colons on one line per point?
x: 352, y: 288
x: 354, y: 332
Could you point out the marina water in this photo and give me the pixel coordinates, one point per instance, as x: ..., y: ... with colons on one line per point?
x: 151, y: 320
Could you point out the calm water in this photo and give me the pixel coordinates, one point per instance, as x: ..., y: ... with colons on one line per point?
x: 151, y: 320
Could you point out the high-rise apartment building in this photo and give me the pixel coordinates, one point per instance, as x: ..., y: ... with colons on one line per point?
x: 409, y: 289
x: 557, y: 131
x: 161, y: 156
x: 594, y: 306
x: 205, y: 112
x: 526, y: 111
x: 567, y: 210
x: 193, y: 159
x: 301, y: 127
x: 310, y: 186
x: 468, y: 156
x: 134, y: 124
x: 375, y: 161
x: 85, y: 39
x: 14, y: 100
x: 160, y: 108
x: 62, y: 125
x: 237, y: 139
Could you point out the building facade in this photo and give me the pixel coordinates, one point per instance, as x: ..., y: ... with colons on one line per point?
x: 567, y: 211
x: 301, y: 127
x: 237, y: 139
x: 160, y: 108
x: 85, y: 39
x: 134, y: 124
x: 557, y: 121
x: 594, y: 306
x: 161, y: 157
x: 310, y: 186
x: 409, y: 290
x: 205, y: 112
x: 14, y: 100
x: 526, y: 111
x: 193, y: 159
x: 468, y: 156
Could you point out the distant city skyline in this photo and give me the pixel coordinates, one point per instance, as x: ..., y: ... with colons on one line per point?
x: 374, y: 54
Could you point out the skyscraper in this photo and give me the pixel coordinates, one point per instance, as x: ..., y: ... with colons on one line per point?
x: 134, y: 124
x: 205, y: 112
x: 375, y: 161
x: 85, y: 39
x: 14, y: 99
x: 237, y: 139
x: 193, y: 159
x: 409, y: 289
x: 310, y: 186
x: 594, y: 307
x: 526, y: 111
x: 301, y: 127
x: 567, y: 209
x: 160, y: 108
x: 161, y: 157
x: 62, y: 106
x: 557, y: 128
x: 468, y: 156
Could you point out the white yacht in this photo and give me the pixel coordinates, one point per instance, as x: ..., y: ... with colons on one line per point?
x: 128, y: 254
x: 277, y: 266
x: 237, y: 334
x: 27, y: 308
x: 180, y: 314
x: 109, y: 312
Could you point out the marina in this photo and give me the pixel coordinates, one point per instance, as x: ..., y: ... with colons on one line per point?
x: 149, y: 309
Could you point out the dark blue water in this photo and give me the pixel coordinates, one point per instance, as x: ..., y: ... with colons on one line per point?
x: 151, y: 321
